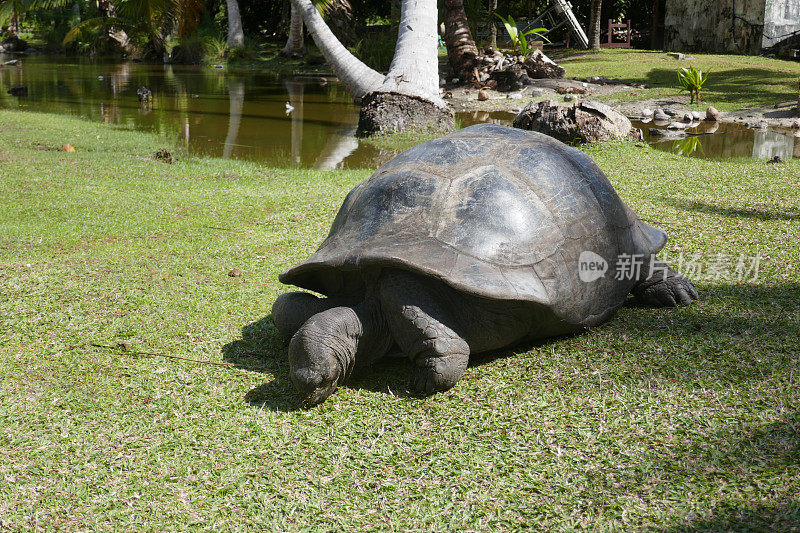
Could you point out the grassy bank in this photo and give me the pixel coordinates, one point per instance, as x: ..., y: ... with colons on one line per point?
x: 736, y: 82
x: 661, y: 419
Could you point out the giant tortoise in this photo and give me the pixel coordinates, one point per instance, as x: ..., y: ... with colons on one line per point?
x: 484, y: 238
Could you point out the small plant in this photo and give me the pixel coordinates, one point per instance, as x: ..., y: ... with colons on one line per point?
x: 520, y: 41
x: 692, y: 80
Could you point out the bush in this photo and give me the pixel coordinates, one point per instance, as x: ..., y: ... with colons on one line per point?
x: 376, y: 49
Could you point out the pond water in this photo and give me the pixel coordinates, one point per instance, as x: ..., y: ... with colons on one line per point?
x: 712, y: 140
x: 237, y: 114
x: 245, y: 113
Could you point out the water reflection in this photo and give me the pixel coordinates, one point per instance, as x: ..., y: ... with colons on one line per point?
x: 769, y: 143
x: 243, y: 114
x: 723, y: 140
x: 211, y: 112
x: 687, y: 146
x: 236, y: 97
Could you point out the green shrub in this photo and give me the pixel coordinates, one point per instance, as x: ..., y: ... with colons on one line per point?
x: 376, y: 50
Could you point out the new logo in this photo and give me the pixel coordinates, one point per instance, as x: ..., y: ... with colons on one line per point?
x: 591, y: 266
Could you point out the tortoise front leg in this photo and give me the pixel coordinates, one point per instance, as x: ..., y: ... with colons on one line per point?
x: 418, y: 316
x: 292, y: 309
x: 660, y: 286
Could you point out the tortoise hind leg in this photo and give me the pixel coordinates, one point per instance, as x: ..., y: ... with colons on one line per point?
x: 422, y: 323
x: 660, y: 286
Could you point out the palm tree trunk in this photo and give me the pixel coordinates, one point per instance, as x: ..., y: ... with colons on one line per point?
x: 358, y: 79
x: 594, y: 24
x: 492, y: 25
x: 235, y: 31
x: 295, y: 45
x: 409, y: 96
x: 461, y: 49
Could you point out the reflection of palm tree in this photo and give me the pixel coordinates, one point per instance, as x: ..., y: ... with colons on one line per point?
x: 295, y: 90
x: 338, y: 146
x: 120, y: 78
x: 236, y: 95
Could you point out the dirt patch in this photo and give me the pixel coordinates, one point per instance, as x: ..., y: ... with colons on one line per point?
x: 465, y: 99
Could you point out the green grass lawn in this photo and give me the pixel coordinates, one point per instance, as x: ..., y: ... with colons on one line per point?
x: 663, y: 419
x: 735, y: 82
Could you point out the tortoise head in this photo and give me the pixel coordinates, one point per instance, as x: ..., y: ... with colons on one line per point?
x: 322, y: 354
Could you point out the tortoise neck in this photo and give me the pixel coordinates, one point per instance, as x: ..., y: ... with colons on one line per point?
x: 374, y: 338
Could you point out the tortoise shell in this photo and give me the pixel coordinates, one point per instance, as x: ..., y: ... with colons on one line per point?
x: 493, y: 211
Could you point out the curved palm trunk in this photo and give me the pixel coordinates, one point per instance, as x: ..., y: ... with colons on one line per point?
x: 235, y: 31
x: 295, y: 44
x: 594, y: 24
x: 409, y: 96
x: 358, y: 79
x: 461, y: 50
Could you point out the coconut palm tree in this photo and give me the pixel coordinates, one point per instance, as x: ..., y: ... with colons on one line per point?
x: 461, y: 50
x: 356, y: 77
x: 235, y: 31
x: 408, y: 96
x: 594, y: 24
x: 295, y: 44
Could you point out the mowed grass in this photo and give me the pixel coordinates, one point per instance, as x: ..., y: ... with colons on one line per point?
x: 662, y: 419
x: 735, y: 81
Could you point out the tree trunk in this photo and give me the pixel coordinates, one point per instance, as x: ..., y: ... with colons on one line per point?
x: 358, y: 79
x: 295, y: 45
x: 492, y: 25
x: 340, y: 20
x: 235, y: 31
x: 461, y: 50
x: 594, y: 24
x: 115, y: 35
x: 409, y: 96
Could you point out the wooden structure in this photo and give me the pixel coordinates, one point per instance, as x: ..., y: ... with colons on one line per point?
x: 611, y: 29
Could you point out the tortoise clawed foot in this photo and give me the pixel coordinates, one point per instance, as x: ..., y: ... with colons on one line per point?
x: 437, y: 373
x: 671, y: 292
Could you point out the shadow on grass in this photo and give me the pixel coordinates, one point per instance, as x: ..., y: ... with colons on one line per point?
x: 756, y: 86
x: 770, y: 450
x: 737, y: 332
x: 261, y: 350
x: 743, y: 517
x: 731, y: 212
